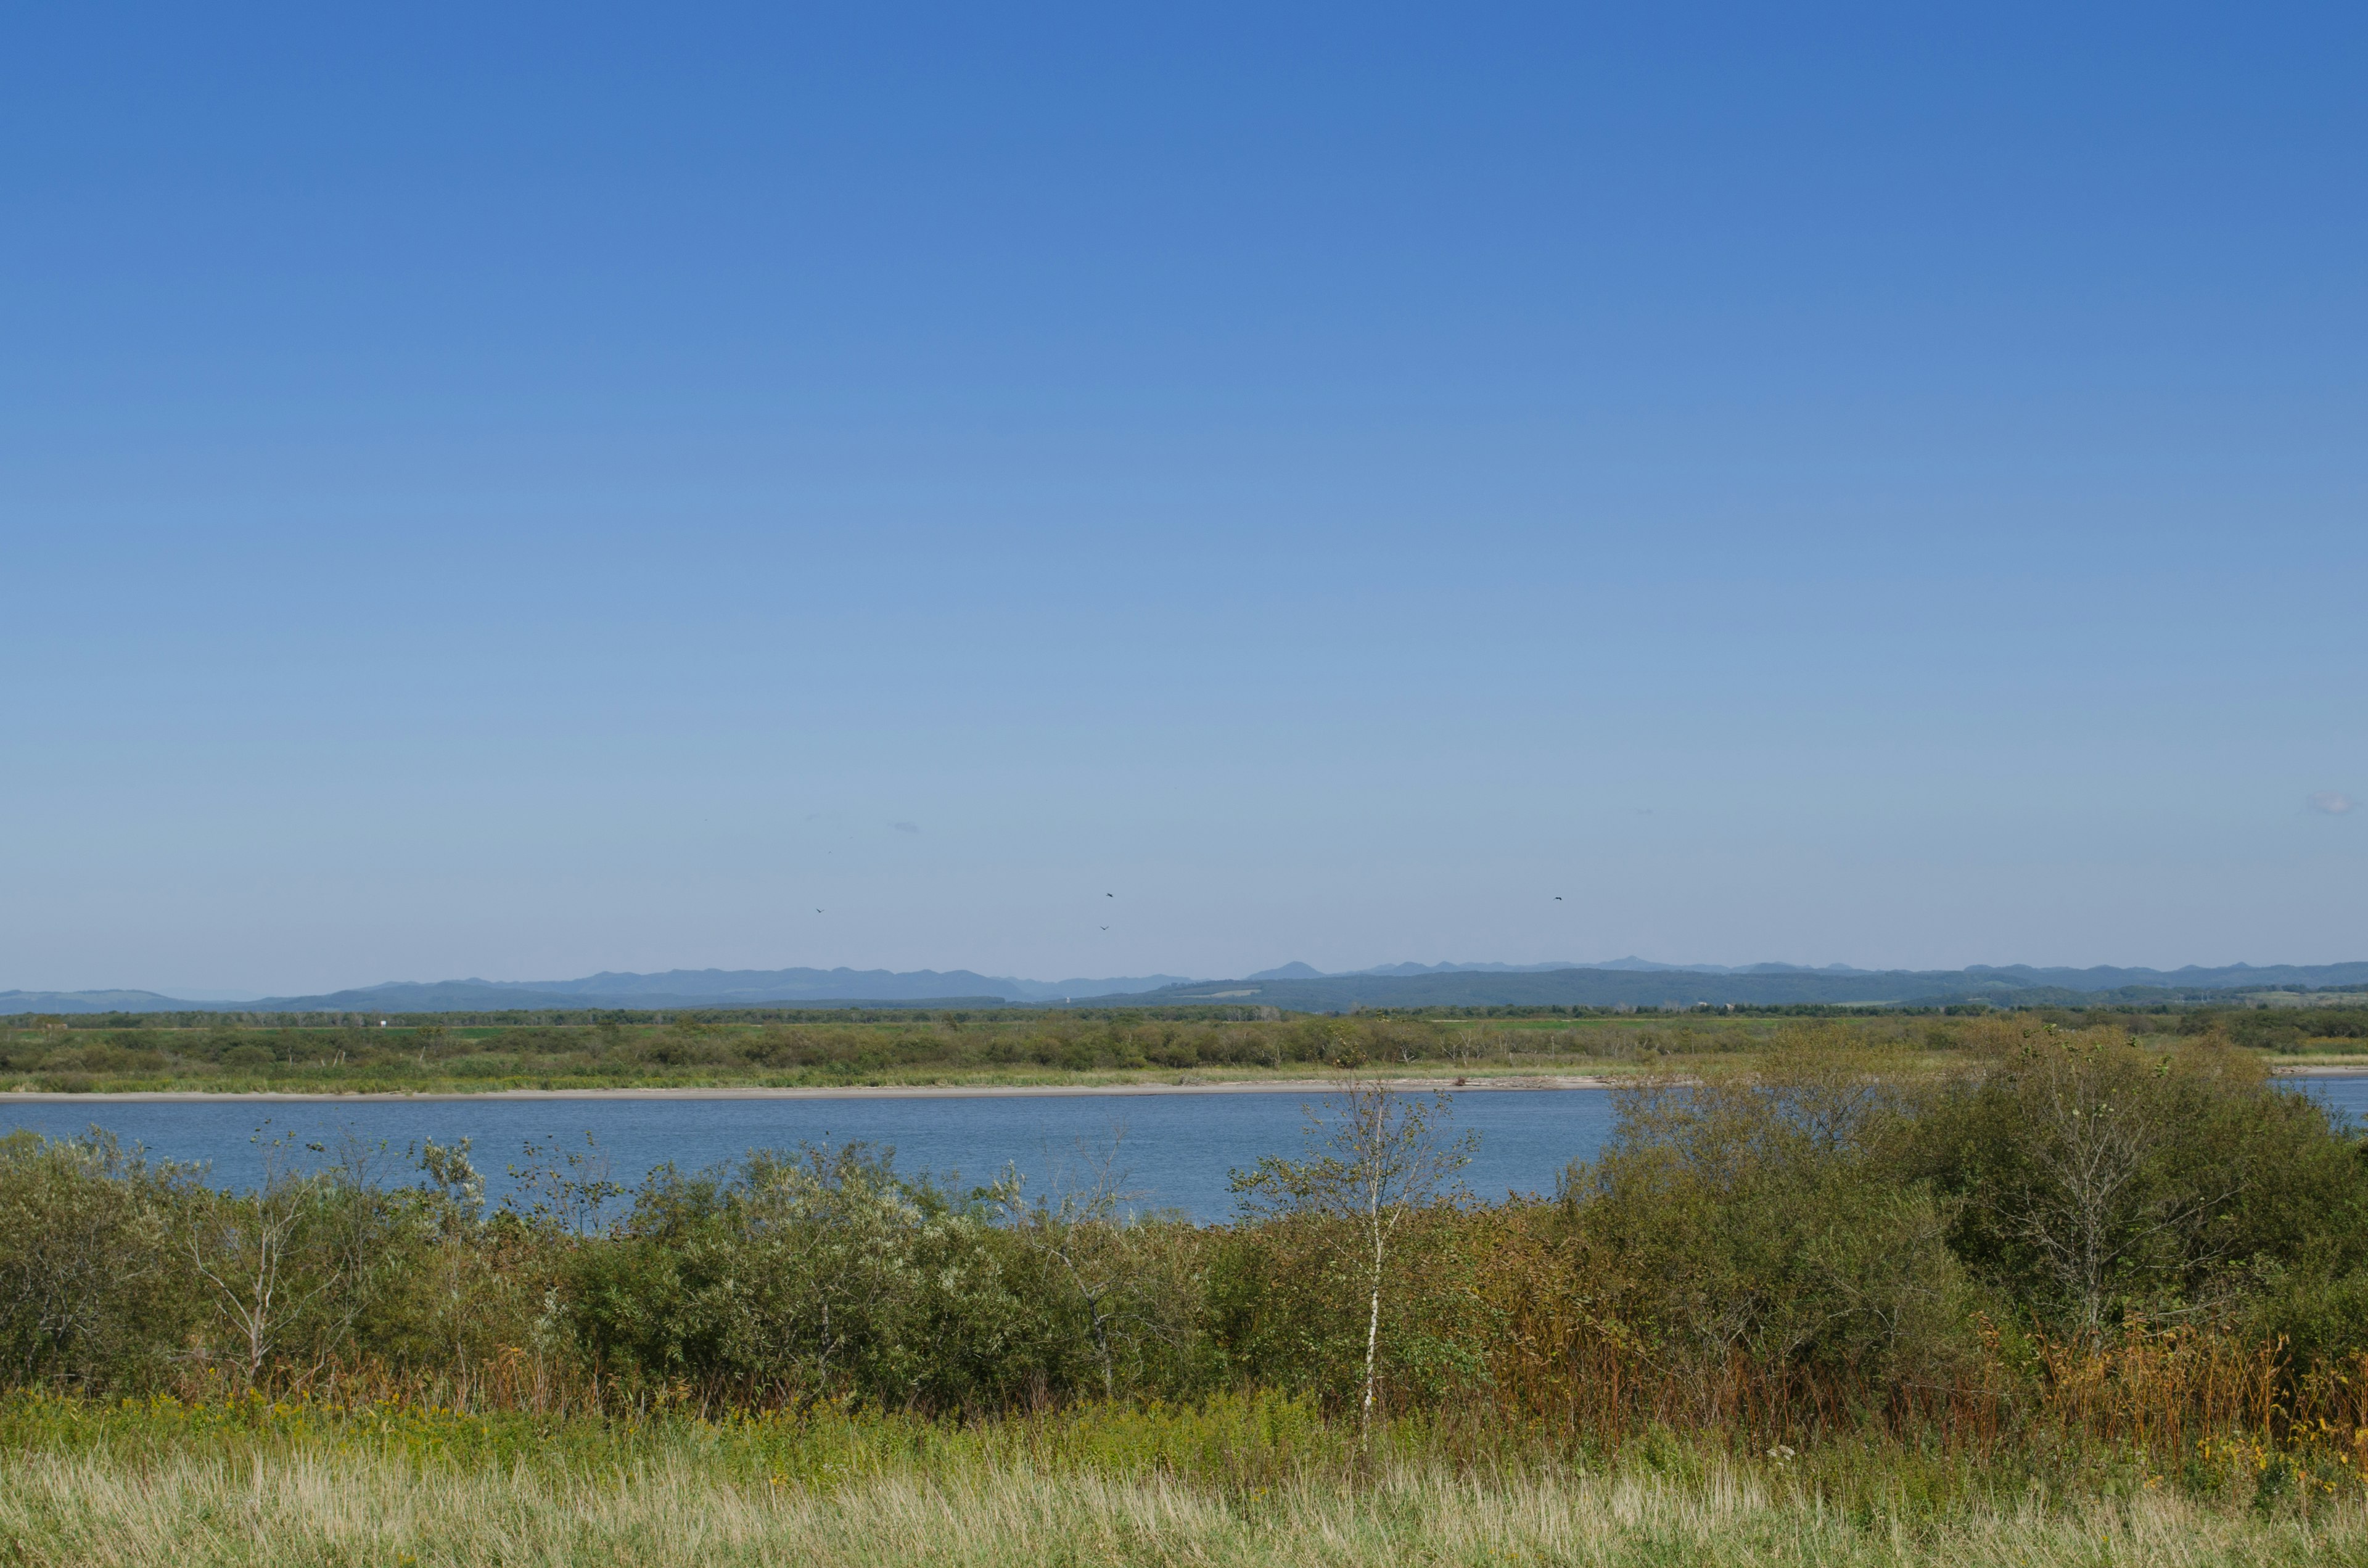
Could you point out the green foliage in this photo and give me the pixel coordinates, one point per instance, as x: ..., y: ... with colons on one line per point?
x: 817, y: 1276
x: 1759, y: 1221
x: 2296, y: 1028
x: 1287, y: 1309
x: 2091, y: 1176
x: 1374, y: 1159
x: 94, y: 1293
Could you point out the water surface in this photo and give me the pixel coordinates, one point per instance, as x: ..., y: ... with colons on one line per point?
x: 1178, y: 1148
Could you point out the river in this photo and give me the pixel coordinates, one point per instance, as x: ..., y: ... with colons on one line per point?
x: 1177, y: 1149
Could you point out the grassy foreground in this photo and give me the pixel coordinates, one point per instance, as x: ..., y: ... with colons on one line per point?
x: 1247, y: 1483
x: 342, y: 1510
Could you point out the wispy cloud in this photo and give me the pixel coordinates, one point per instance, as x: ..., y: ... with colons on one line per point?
x: 2328, y: 803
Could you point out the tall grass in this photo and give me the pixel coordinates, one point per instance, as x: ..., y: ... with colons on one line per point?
x: 1239, y: 1446
x: 343, y: 1510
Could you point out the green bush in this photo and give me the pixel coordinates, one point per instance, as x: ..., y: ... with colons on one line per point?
x: 1762, y: 1222
x: 94, y: 1292
x: 1287, y: 1303
x: 823, y: 1274
x: 2089, y: 1176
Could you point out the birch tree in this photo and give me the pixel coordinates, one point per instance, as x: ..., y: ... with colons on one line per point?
x: 1372, y: 1156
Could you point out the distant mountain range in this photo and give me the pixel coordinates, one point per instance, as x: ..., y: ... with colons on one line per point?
x: 674, y: 989
x: 1629, y: 982
x: 1304, y: 971
x: 1637, y: 983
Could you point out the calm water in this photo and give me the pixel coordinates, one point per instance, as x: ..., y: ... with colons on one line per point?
x: 1179, y: 1148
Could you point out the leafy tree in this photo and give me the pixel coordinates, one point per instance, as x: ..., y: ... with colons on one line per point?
x: 2093, y: 1176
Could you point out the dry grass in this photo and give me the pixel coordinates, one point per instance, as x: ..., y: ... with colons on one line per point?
x: 332, y: 1508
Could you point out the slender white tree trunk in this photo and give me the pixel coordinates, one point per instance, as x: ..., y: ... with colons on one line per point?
x: 1373, y: 1338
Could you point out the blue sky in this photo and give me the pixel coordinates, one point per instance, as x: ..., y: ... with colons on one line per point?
x: 530, y: 492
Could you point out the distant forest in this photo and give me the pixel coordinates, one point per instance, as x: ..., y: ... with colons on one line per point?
x: 354, y: 1051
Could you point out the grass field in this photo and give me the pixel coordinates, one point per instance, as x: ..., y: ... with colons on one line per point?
x: 333, y: 1510
x: 1241, y: 1484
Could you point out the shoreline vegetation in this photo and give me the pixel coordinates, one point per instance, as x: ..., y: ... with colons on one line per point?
x: 926, y: 1052
x: 987, y: 1087
x: 2088, y: 1294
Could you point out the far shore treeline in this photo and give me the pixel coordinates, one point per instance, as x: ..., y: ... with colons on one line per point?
x: 2050, y: 1245
x: 223, y: 1052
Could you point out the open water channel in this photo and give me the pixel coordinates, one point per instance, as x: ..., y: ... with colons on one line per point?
x: 1178, y: 1148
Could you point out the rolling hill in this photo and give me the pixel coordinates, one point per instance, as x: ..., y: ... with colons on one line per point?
x: 1627, y: 982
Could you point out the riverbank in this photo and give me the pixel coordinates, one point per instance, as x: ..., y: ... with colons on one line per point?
x: 979, y: 1089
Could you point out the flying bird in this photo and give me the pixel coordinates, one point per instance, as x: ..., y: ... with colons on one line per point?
x: 1105, y: 927
x: 1557, y: 898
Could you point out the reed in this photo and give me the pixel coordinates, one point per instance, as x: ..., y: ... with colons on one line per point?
x: 324, y: 1506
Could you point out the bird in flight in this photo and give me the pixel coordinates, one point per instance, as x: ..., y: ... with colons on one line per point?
x: 1105, y: 927
x: 1557, y: 898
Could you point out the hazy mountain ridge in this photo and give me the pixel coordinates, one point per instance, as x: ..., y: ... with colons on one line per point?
x: 2099, y: 978
x: 1646, y: 966
x: 1761, y: 985
x: 671, y: 989
x: 874, y: 985
x: 1299, y: 986
x: 97, y: 1002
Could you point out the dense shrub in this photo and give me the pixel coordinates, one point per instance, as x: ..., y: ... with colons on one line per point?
x: 1287, y: 1308
x: 2090, y: 1178
x: 94, y: 1293
x: 819, y: 1275
x: 1760, y: 1223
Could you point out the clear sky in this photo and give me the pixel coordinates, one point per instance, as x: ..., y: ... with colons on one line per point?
x: 520, y: 491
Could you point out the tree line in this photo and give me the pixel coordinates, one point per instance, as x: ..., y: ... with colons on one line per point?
x: 224, y: 1052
